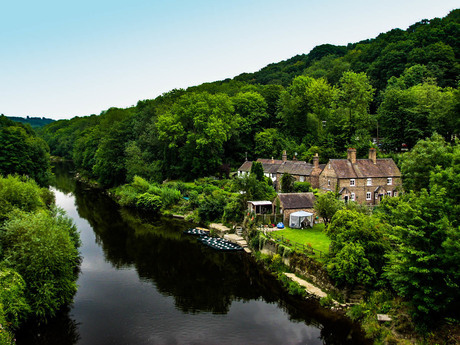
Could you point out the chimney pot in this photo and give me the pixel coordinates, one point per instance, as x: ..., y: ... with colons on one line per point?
x: 351, y: 155
x: 284, y: 156
x: 373, y: 155
x: 316, y: 161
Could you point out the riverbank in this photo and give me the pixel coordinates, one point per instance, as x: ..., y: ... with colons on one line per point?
x: 208, y: 199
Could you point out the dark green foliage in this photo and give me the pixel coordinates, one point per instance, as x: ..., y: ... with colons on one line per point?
x: 424, y: 265
x: 149, y: 202
x: 417, y: 164
x: 326, y: 205
x: 287, y: 183
x: 257, y: 170
x: 358, y: 246
x: 34, y: 122
x: 22, y: 152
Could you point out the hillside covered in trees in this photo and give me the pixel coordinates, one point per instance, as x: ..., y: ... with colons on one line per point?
x: 389, y: 91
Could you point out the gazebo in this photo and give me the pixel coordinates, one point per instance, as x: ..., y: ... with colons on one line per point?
x: 301, y: 219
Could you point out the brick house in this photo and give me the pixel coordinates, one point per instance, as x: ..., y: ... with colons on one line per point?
x: 361, y: 180
x: 293, y: 202
x: 275, y: 168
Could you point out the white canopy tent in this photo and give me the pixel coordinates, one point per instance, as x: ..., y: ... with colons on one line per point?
x: 301, y: 219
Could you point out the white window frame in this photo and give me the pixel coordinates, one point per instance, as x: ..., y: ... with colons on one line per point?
x: 352, y: 182
x: 389, y: 181
x: 352, y: 196
x: 369, y: 182
x: 328, y: 183
x: 395, y: 193
x: 301, y: 178
x: 389, y: 193
x: 368, y: 196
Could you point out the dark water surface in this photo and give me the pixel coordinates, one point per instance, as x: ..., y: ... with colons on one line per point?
x: 143, y: 281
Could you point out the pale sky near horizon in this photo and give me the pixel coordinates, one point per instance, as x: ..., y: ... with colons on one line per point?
x: 61, y: 59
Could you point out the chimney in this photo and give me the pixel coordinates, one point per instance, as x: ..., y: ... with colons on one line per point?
x: 373, y: 155
x: 351, y: 155
x: 273, y: 160
x: 284, y: 156
x: 316, y: 161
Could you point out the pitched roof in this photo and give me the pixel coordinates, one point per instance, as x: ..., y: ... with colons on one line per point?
x: 296, y: 200
x: 365, y: 168
x: 246, y: 166
x: 296, y: 168
x: 273, y: 166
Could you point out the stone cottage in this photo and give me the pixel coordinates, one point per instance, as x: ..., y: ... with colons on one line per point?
x: 275, y: 168
x: 293, y: 202
x: 362, y: 180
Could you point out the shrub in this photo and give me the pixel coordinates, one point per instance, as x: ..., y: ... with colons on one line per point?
x: 140, y: 185
x: 12, y: 296
x: 302, y: 187
x: 42, y: 250
x: 149, y: 202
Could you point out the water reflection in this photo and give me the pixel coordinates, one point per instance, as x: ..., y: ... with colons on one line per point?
x: 143, y: 281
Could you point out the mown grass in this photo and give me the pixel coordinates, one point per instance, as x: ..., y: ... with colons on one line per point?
x: 315, y: 237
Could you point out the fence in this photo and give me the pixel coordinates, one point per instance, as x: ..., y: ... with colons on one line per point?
x: 295, y: 245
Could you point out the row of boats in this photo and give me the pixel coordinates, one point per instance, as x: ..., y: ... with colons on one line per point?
x: 213, y: 242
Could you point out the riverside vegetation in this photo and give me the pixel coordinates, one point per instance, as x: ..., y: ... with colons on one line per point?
x: 400, y: 88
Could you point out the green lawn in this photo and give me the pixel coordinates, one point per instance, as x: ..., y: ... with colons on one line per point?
x: 314, y: 236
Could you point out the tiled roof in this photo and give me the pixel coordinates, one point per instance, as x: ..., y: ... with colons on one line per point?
x: 365, y: 168
x: 246, y: 166
x: 296, y: 168
x: 296, y: 200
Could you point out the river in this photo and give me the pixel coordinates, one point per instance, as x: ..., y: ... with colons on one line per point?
x: 143, y: 281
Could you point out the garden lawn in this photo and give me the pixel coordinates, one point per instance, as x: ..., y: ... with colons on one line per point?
x: 315, y: 236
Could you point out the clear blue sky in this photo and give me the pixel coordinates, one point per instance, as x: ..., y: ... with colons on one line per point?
x: 61, y: 59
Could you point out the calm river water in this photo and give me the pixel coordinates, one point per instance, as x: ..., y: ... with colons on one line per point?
x: 143, y: 281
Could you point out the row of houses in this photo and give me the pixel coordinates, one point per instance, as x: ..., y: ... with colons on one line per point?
x: 365, y: 181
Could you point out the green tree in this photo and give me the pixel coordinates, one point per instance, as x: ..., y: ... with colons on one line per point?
x: 43, y: 250
x: 326, y: 206
x: 417, y: 164
x: 22, y: 152
x: 353, y: 98
x: 195, y: 131
x: 287, y: 183
x: 258, y: 171
x: 424, y: 264
x: 364, y: 237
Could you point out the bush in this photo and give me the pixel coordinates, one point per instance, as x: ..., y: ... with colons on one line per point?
x: 18, y: 192
x: 140, y: 185
x: 12, y: 296
x: 41, y: 248
x: 149, y: 202
x: 302, y: 187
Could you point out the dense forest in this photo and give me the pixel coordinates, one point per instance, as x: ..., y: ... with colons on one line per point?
x: 34, y: 122
x: 390, y: 91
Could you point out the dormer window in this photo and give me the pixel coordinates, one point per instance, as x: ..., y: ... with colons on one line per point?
x: 369, y: 182
x: 389, y: 181
x: 352, y: 182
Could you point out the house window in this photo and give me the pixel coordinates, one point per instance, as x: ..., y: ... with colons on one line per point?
x: 368, y: 196
x: 389, y: 193
x: 352, y: 197
x: 389, y: 180
x: 352, y: 182
x: 328, y: 183
x: 369, y: 182
x: 395, y: 193
x: 302, y: 178
x: 273, y: 176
